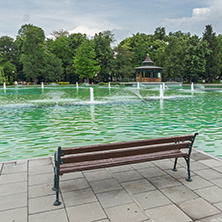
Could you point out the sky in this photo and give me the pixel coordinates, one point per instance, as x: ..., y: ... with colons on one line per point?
x: 123, y: 17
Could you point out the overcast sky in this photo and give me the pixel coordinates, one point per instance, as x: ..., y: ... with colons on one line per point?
x: 123, y: 17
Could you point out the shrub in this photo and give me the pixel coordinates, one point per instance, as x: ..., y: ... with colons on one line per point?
x: 63, y: 83
x: 101, y: 83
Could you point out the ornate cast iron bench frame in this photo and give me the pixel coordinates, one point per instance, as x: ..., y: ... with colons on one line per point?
x: 82, y: 158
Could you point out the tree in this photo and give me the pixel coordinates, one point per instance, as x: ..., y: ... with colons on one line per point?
x: 8, y: 57
x: 60, y: 33
x: 2, y: 75
x: 139, y: 44
x: 32, y: 49
x: 104, y: 54
x: 60, y: 47
x: 7, y: 48
x: 53, y: 69
x: 219, y: 41
x: 123, y: 68
x: 85, y: 61
x: 39, y: 63
x: 194, y: 59
x: 212, y: 57
x: 174, y: 66
x: 65, y: 48
x: 159, y: 33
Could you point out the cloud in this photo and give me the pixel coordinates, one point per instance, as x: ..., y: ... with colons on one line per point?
x: 199, y: 18
x: 123, y: 17
x: 85, y: 30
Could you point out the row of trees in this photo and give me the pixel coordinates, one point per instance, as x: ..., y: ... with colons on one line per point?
x: 75, y: 57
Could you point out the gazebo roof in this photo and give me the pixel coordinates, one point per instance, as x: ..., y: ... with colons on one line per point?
x: 148, y: 61
x: 148, y: 64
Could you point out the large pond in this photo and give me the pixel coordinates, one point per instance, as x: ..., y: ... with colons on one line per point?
x: 35, y: 121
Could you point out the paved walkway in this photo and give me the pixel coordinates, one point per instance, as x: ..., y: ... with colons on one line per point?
x: 132, y: 193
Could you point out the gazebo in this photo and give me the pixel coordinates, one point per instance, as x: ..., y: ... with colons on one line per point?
x: 148, y: 72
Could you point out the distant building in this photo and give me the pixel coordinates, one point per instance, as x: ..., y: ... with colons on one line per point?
x: 148, y: 72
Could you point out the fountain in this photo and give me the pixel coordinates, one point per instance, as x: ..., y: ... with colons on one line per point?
x: 33, y: 122
x: 192, y: 87
x: 4, y: 85
x: 161, y: 91
x: 77, y: 85
x: 91, y: 95
x: 138, y: 85
x: 164, y: 87
x: 42, y: 85
x: 109, y: 85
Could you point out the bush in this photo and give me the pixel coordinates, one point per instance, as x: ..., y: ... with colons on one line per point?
x: 101, y: 83
x: 114, y: 83
x: 63, y: 83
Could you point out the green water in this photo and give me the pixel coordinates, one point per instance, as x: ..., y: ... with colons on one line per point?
x: 35, y: 121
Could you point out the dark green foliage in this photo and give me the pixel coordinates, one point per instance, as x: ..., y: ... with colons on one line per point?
x: 73, y: 57
x: 85, y: 62
x: 104, y: 54
x: 123, y: 68
x: 2, y: 75
x: 211, y: 58
x: 39, y: 64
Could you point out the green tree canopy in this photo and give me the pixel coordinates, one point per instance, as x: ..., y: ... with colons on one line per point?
x: 2, y: 75
x: 104, y: 54
x: 85, y: 62
x: 194, y: 59
x: 123, y: 68
x: 38, y: 62
x: 212, y: 57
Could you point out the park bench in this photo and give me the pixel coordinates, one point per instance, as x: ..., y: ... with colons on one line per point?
x: 82, y: 158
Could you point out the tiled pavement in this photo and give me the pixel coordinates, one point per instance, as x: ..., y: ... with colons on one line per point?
x: 133, y: 193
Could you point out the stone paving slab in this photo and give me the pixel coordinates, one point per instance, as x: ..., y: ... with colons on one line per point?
x: 55, y: 216
x: 178, y: 193
x: 127, y: 176
x: 168, y: 213
x: 114, y: 198
x: 13, y: 188
x: 18, y: 215
x: 151, y: 172
x: 74, y: 184
x: 13, y: 178
x: 204, y: 208
x: 13, y: 201
x: 143, y: 192
x: 212, y: 194
x: 86, y: 212
x: 197, y: 183
x: 138, y: 186
x: 105, y: 185
x: 78, y: 197
x: 151, y: 199
x: 126, y: 213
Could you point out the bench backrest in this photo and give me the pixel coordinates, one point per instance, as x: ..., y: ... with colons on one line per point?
x: 123, y: 149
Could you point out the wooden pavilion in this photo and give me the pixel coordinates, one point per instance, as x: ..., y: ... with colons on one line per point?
x: 148, y: 72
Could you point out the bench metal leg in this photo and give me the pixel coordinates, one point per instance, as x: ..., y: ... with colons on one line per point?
x: 188, y: 169
x: 175, y: 164
x: 56, y: 186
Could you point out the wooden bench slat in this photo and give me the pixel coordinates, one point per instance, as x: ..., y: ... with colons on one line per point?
x: 113, y: 146
x: 74, y: 167
x: 123, y: 153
